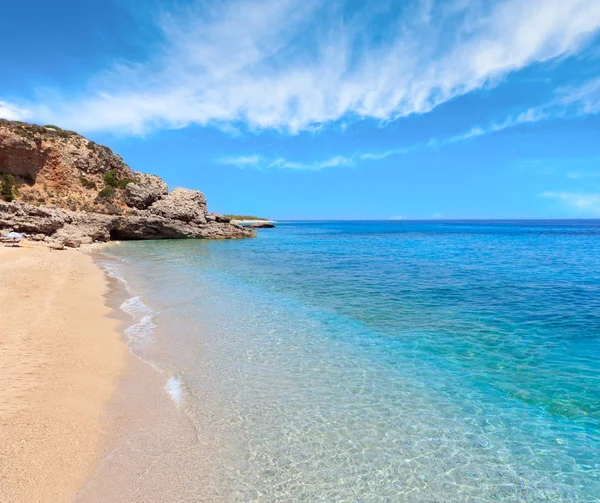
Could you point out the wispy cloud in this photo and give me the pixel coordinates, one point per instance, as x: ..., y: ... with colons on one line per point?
x: 582, y: 99
x: 338, y: 160
x: 280, y: 162
x: 295, y: 65
x: 529, y: 116
x: 574, y: 101
x: 579, y: 202
x: 241, y: 161
x: 582, y: 175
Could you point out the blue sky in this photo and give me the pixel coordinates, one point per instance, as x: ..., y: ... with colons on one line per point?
x: 327, y: 109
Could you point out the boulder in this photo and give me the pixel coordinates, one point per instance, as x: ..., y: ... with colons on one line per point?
x: 182, y: 204
x: 146, y: 190
x: 85, y: 229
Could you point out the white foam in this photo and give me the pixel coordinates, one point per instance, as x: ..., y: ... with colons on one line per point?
x: 135, y: 307
x: 175, y: 390
x: 142, y: 330
x: 113, y: 271
x: 140, y: 334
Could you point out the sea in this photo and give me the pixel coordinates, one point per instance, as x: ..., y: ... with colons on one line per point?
x: 368, y: 361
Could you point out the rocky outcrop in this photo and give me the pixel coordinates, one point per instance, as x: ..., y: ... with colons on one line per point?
x: 73, y: 192
x: 255, y: 224
x: 77, y: 228
x: 146, y: 190
x: 182, y: 204
x: 261, y: 225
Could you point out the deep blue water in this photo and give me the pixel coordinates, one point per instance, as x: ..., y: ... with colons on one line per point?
x: 386, y: 361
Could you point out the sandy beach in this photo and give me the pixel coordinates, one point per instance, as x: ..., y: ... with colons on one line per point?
x: 61, y: 356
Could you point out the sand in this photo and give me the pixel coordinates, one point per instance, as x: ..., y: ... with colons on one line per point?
x: 61, y: 356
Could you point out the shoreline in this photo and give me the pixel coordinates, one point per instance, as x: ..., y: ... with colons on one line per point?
x: 62, y: 355
x: 154, y: 444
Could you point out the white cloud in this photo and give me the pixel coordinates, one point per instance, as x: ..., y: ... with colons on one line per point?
x: 581, y: 203
x: 242, y: 161
x: 294, y: 65
x: 575, y: 97
x: 583, y: 98
x: 332, y: 162
x: 580, y: 175
x: 13, y: 112
x: 256, y: 161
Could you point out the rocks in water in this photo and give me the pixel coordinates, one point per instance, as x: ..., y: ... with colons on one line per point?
x: 261, y: 225
x: 255, y: 224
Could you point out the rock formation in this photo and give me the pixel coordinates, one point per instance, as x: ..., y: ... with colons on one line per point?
x: 261, y: 225
x: 69, y: 190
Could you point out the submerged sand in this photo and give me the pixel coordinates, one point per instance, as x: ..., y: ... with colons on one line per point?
x: 61, y: 356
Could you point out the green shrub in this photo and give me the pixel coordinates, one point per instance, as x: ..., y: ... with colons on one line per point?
x: 8, y: 188
x: 110, y: 178
x: 244, y: 217
x: 53, y: 127
x: 123, y: 182
x: 107, y: 192
x: 29, y: 178
x: 87, y: 183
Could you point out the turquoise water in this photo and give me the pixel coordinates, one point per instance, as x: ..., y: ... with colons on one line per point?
x: 383, y: 361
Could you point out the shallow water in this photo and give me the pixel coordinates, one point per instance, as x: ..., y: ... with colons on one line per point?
x: 374, y: 361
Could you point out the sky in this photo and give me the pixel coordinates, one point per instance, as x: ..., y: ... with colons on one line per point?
x: 314, y: 109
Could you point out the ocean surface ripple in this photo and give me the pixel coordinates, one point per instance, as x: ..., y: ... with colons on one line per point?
x: 387, y: 361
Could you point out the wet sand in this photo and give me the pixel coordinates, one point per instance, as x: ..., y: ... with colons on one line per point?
x: 61, y: 359
x: 156, y: 450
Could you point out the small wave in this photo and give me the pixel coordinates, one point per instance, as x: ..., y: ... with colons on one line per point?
x: 175, y: 390
x: 136, y: 308
x: 140, y: 334
x: 141, y: 331
x: 144, y: 328
x: 112, y: 271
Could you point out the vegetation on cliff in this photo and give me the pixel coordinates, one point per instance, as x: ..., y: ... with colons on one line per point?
x: 244, y: 217
x: 7, y: 187
x: 57, y: 185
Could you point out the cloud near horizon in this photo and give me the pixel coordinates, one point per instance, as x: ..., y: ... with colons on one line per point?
x: 578, y: 202
x: 294, y: 65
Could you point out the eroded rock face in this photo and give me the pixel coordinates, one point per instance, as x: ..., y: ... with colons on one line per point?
x: 182, y: 204
x: 76, y: 192
x: 25, y: 218
x: 74, y: 229
x: 146, y: 190
x: 60, y: 168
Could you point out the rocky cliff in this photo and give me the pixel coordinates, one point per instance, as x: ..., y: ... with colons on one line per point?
x: 56, y: 185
